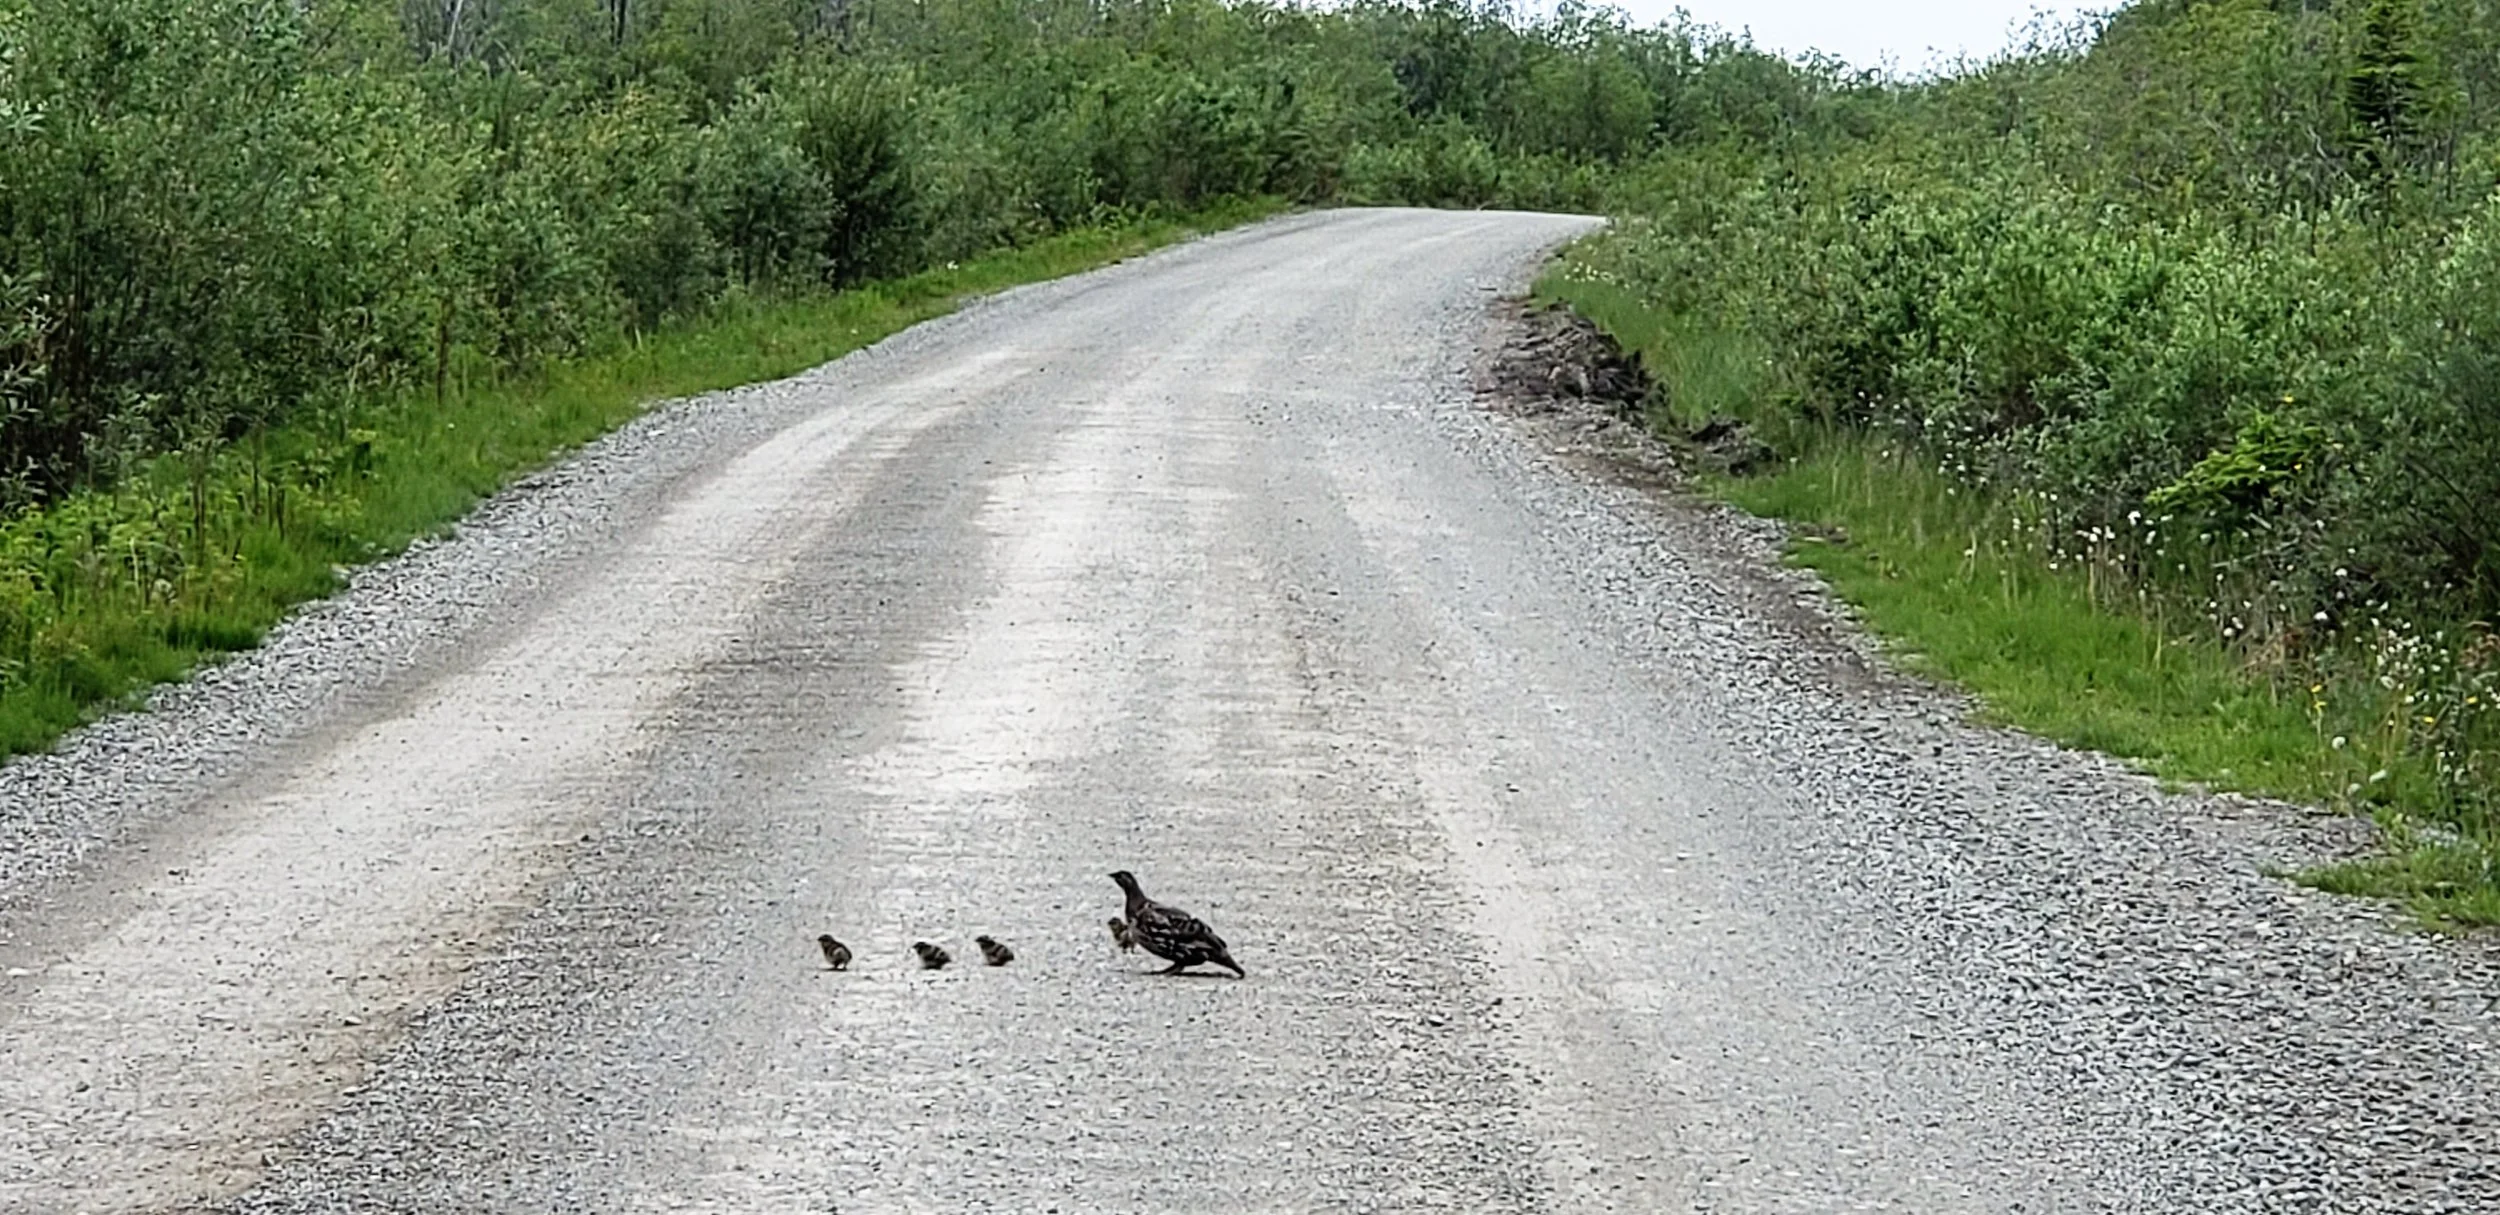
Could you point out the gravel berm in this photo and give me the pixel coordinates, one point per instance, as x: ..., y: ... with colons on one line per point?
x: 1580, y: 859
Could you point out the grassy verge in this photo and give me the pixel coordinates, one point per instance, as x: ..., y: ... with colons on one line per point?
x: 104, y: 594
x: 1917, y: 559
x: 1965, y: 588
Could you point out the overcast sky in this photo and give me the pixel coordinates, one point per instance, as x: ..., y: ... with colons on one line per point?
x: 1913, y: 36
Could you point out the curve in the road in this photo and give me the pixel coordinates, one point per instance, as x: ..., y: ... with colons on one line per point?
x: 1566, y: 881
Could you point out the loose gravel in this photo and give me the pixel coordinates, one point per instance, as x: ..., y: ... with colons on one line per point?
x: 1582, y: 858
x: 2241, y: 1042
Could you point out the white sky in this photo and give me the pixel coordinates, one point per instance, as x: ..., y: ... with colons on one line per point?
x: 1911, y: 36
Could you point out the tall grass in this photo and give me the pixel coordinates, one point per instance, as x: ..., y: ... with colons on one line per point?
x: 1970, y: 594
x: 1703, y: 369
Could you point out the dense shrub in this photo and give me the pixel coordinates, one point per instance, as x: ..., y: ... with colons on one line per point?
x: 1446, y: 163
x: 214, y: 213
x: 2230, y: 266
x: 2211, y: 259
x: 2205, y: 296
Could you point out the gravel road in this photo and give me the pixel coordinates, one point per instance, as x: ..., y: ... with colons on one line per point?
x: 1578, y: 861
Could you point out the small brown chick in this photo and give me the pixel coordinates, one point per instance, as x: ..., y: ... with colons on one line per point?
x: 1123, y: 935
x: 932, y: 957
x: 994, y: 953
x: 837, y: 954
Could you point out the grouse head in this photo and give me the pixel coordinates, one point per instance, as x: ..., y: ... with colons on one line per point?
x: 1137, y: 900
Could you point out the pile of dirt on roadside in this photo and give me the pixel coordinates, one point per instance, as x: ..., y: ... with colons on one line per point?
x: 1584, y: 390
x: 1557, y: 362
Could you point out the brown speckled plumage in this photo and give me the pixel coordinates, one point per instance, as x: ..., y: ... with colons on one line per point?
x: 1123, y: 936
x: 1172, y: 934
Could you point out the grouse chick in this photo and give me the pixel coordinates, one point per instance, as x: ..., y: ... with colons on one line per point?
x: 1172, y: 934
x: 837, y: 954
x: 994, y: 953
x: 932, y: 957
x: 1123, y: 935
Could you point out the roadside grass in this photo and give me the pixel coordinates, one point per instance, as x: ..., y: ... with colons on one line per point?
x: 1963, y: 587
x: 1708, y: 370
x: 106, y: 593
x: 1923, y: 564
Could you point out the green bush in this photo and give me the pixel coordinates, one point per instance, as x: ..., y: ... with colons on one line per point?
x: 1445, y: 164
x: 214, y: 215
x: 2199, y: 300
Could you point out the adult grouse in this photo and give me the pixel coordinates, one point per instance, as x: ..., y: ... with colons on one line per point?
x: 1172, y: 934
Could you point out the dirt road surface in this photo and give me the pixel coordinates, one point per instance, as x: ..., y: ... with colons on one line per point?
x: 1575, y: 865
